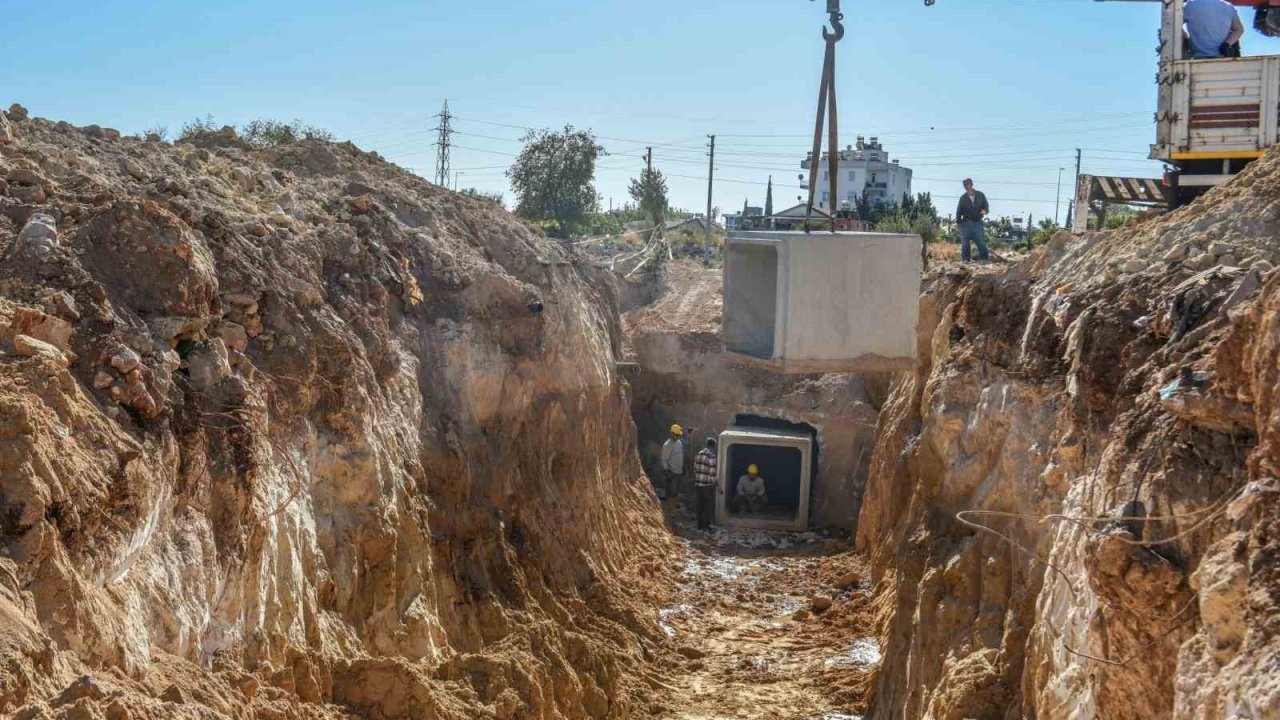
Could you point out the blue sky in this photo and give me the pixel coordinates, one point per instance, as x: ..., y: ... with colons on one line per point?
x: 1000, y: 90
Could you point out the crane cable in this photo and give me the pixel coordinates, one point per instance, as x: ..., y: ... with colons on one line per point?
x: 827, y: 106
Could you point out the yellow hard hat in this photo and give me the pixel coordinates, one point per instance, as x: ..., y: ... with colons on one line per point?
x: 753, y: 470
x: 677, y: 430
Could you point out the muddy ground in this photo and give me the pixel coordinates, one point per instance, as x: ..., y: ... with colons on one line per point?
x: 772, y: 625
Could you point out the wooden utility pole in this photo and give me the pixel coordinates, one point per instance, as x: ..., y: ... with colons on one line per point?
x: 648, y: 159
x: 711, y: 174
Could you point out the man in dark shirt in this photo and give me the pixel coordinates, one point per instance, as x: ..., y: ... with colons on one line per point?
x: 972, y: 209
x: 705, y: 479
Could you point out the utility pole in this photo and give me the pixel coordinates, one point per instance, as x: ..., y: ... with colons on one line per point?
x: 648, y: 159
x: 1071, y: 204
x: 443, y: 140
x: 1057, y: 203
x: 711, y: 173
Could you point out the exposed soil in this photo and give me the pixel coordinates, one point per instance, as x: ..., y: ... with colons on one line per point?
x: 745, y: 616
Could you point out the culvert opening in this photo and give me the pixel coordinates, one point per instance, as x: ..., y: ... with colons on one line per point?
x: 776, y: 496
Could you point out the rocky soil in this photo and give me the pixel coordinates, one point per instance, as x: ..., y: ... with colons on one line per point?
x: 281, y: 437
x: 1073, y: 510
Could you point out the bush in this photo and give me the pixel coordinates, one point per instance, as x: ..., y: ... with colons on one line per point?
x: 197, y: 127
x: 265, y: 133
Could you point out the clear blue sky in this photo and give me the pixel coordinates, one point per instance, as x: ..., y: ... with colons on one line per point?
x: 1000, y: 90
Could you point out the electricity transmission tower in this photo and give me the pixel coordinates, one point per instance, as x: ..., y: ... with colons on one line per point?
x: 445, y: 131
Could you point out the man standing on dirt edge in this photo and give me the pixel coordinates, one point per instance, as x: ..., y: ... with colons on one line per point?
x: 704, y: 482
x: 672, y: 463
x: 972, y: 209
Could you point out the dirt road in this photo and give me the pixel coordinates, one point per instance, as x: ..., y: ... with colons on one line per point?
x: 747, y: 616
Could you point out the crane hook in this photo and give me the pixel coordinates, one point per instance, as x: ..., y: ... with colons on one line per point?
x: 837, y: 25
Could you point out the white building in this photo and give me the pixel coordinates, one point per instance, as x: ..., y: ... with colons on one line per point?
x: 865, y: 171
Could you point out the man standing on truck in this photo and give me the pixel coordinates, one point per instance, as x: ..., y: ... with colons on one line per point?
x: 1214, y: 28
x: 972, y: 209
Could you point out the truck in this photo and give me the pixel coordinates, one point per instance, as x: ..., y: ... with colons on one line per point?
x: 1213, y: 117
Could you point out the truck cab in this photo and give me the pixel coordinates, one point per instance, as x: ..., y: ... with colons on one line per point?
x: 1214, y: 116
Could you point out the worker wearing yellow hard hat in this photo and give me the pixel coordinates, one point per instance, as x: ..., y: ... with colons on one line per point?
x: 673, y: 454
x: 752, y: 497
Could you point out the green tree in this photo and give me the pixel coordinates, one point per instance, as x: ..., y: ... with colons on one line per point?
x: 552, y: 177
x: 650, y: 194
x: 265, y: 132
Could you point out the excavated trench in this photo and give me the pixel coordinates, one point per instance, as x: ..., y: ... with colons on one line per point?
x: 290, y: 433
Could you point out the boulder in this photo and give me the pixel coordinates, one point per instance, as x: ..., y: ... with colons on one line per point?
x: 125, y: 359
x: 27, y: 346
x: 17, y: 113
x: 26, y: 176
x: 39, y: 235
x: 819, y: 603
x: 6, y: 130
x: 1219, y: 248
x: 30, y: 194
x: 848, y: 580
x: 132, y: 167
x: 1228, y: 260
x: 208, y: 365
x: 42, y: 327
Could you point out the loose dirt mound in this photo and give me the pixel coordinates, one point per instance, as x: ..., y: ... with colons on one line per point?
x: 1128, y: 374
x: 281, y: 436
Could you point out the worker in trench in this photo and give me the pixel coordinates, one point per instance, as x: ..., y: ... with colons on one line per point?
x: 705, y: 477
x: 751, y: 496
x: 672, y: 464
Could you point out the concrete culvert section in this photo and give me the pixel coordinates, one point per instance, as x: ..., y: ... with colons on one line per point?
x: 782, y: 460
x: 822, y: 302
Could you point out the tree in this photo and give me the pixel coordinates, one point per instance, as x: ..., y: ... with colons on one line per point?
x: 650, y: 194
x: 768, y: 199
x: 552, y: 177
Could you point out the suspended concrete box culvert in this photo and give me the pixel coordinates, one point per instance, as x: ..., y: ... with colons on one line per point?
x: 822, y: 302
x: 784, y: 460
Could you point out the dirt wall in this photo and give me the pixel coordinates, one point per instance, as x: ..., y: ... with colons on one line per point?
x: 281, y: 435
x: 1114, y: 376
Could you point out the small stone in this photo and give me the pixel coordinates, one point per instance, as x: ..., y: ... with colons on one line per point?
x: 132, y: 167
x: 819, y: 603
x: 125, y: 359
x: 690, y: 652
x: 17, y: 113
x: 1228, y: 260
x: 30, y: 194
x: 234, y: 335
x: 39, y: 233
x: 174, y: 694
x: 257, y: 229
x: 82, y: 709
x: 1219, y: 248
x: 117, y: 710
x: 244, y: 179
x: 1262, y: 266
x: 30, y: 347
x: 61, y: 303
x: 4, y: 187
x: 1177, y: 253
x: 208, y: 365
x: 848, y: 580
x: 801, y: 615
x: 279, y: 217
x: 362, y: 204
x: 1132, y: 265
x: 85, y: 686
x: 26, y: 176
x: 111, y: 133
x: 247, y: 685
x: 1203, y: 261
x: 102, y: 380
